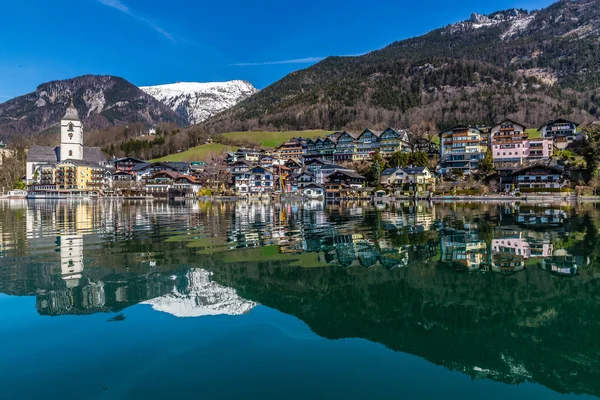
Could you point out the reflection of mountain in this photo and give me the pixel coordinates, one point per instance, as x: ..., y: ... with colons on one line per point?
x: 528, y: 326
x: 201, y: 297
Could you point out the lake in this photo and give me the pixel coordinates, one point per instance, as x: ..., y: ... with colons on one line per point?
x: 113, y: 300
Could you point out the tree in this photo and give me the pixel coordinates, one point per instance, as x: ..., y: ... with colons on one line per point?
x: 590, y: 150
x: 419, y: 159
x: 399, y: 159
x: 377, y: 167
x: 486, y: 166
x: 217, y: 171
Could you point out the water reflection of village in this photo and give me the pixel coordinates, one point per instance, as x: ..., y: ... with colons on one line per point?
x: 353, y: 234
x: 83, y: 258
x: 521, y: 237
x: 92, y: 257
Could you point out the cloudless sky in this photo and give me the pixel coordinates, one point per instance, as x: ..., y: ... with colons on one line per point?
x: 150, y: 42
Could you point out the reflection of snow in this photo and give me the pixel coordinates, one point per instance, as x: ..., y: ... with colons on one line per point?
x: 201, y: 297
x: 515, y: 369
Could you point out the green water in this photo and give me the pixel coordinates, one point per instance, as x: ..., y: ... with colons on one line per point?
x: 111, y: 300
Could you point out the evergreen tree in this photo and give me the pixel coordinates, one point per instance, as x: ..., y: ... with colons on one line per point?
x: 419, y: 159
x: 399, y: 159
x: 590, y: 150
x: 486, y: 166
x: 376, y: 169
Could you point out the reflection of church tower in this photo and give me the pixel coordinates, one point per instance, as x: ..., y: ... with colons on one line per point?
x: 71, y: 135
x: 71, y: 259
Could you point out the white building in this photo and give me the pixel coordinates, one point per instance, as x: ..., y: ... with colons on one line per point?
x: 71, y: 135
x: 70, y: 148
x: 71, y: 259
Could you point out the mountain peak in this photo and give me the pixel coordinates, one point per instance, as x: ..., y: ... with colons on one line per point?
x: 101, y: 101
x: 198, y: 101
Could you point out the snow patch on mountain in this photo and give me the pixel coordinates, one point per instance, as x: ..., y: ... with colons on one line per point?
x: 201, y: 297
x: 196, y: 101
x: 519, y: 21
x: 517, y: 26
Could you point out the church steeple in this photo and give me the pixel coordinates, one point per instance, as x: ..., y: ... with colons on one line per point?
x: 71, y: 114
x: 71, y: 135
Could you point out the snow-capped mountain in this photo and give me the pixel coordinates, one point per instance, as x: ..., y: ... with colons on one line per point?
x: 196, y: 101
x: 102, y: 101
x: 201, y: 297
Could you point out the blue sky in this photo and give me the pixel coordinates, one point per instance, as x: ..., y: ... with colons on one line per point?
x: 151, y: 42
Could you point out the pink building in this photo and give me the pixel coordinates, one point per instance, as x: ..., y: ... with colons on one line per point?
x: 510, y: 143
x: 540, y: 149
x: 522, y: 247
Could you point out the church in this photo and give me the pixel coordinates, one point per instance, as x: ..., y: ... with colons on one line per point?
x: 46, y: 165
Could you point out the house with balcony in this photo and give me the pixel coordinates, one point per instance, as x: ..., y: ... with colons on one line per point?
x: 349, y: 178
x: 367, y: 143
x: 540, y: 149
x: 461, y: 149
x: 294, y: 164
x: 250, y: 155
x: 303, y: 179
x: 159, y: 183
x: 345, y: 146
x: 146, y: 171
x: 392, y: 141
x: 320, y: 148
x: 79, y: 175
x: 313, y: 192
x: 46, y: 175
x: 562, y: 131
x: 255, y: 180
x: 539, y: 178
x: 462, y: 249
x: 186, y: 183
x: 509, y: 142
x: 128, y: 164
x: 293, y: 147
x: 409, y: 179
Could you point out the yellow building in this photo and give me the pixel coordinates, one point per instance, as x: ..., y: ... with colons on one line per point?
x: 78, y: 175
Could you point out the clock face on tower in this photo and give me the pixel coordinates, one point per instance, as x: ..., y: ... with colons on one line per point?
x: 70, y: 136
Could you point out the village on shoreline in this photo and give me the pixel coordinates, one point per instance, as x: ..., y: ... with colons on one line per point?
x: 499, y: 162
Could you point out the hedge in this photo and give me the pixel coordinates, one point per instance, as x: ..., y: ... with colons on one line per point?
x: 546, y: 190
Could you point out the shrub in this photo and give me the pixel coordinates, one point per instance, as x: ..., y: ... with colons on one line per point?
x: 546, y: 190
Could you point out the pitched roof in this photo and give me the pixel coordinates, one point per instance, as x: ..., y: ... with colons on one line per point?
x: 170, y: 174
x: 189, y: 178
x: 459, y: 127
x: 313, y: 186
x: 350, y: 174
x: 43, y: 154
x: 389, y: 171
x: 554, y: 168
x: 94, y: 155
x: 138, y: 167
x: 414, y: 170
x: 558, y: 121
x: 136, y: 160
x: 82, y: 163
x: 510, y: 120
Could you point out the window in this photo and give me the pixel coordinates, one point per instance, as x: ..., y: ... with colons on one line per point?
x: 70, y: 129
x: 70, y: 153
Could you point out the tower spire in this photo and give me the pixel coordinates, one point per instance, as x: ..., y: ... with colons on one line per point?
x: 71, y: 113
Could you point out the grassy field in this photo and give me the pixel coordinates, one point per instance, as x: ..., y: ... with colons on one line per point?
x: 533, y: 133
x: 273, y: 139
x: 265, y: 139
x: 196, y: 153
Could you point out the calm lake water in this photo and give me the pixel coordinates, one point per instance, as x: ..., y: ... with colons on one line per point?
x: 112, y: 300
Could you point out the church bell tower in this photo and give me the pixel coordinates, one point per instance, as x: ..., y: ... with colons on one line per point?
x: 71, y: 135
